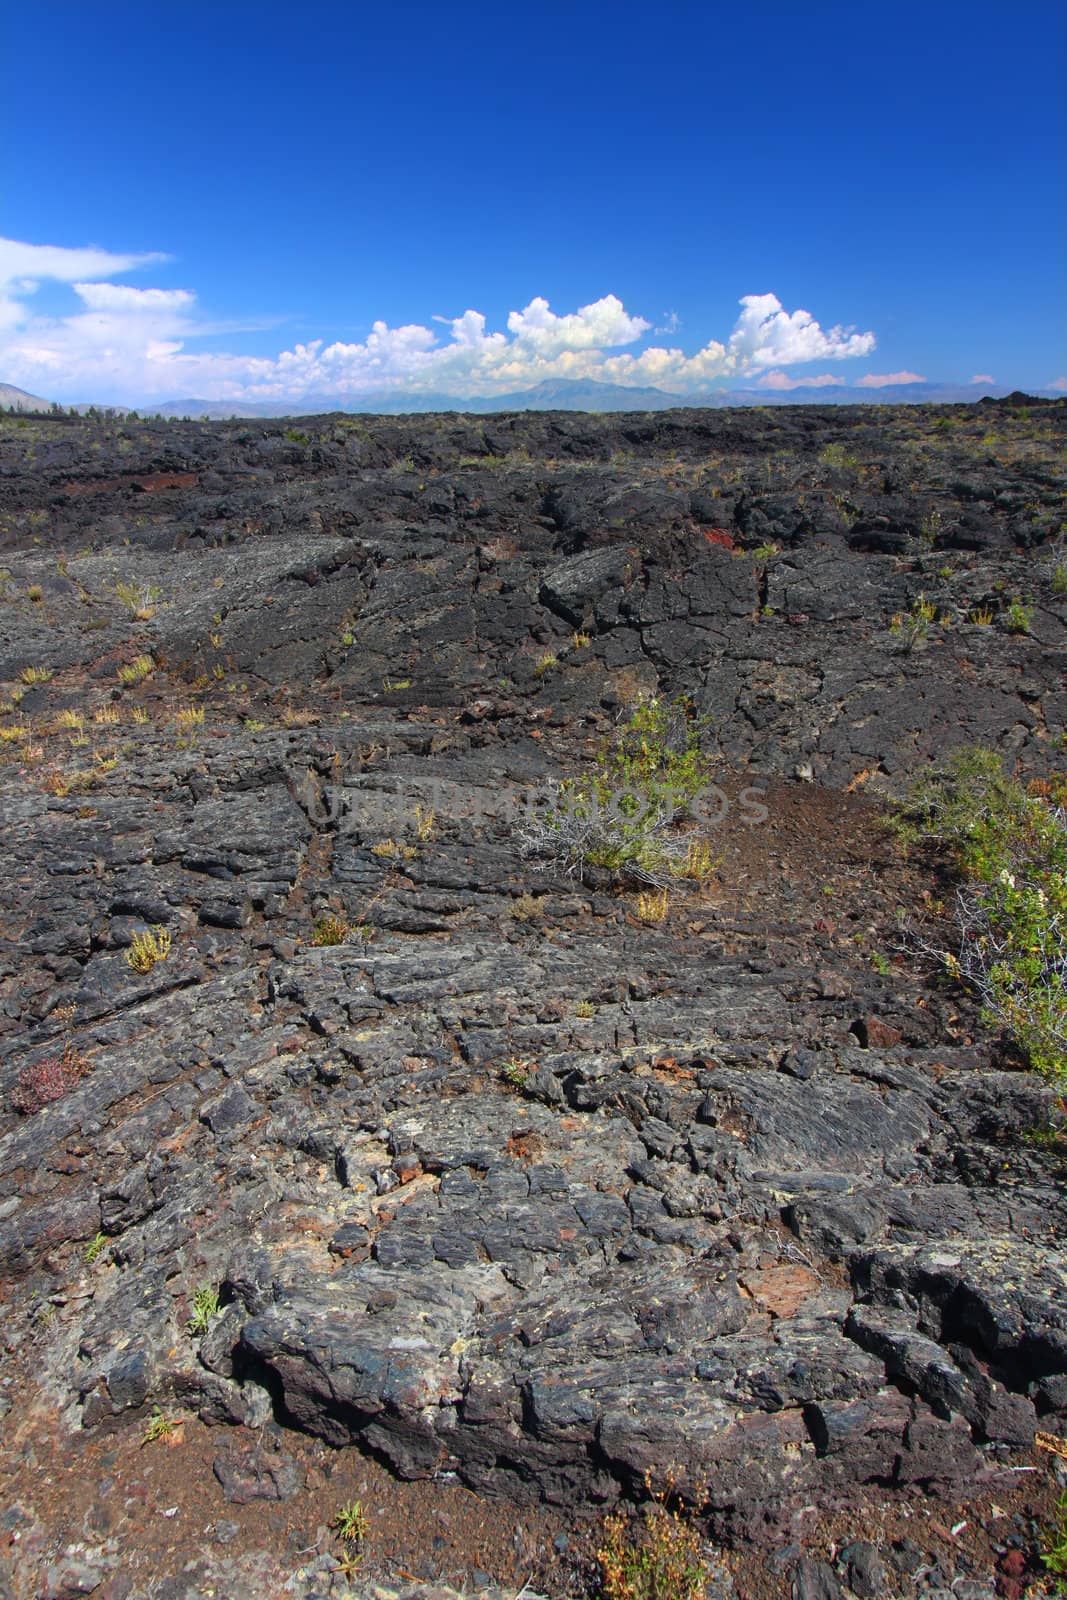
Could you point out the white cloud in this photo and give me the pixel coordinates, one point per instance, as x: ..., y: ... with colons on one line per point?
x: 782, y: 380
x: 1058, y: 383
x: 768, y: 336
x: 593, y: 327
x: 133, y: 344
x: 983, y: 377
x: 882, y: 380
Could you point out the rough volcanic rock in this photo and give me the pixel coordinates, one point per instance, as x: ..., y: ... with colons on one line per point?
x: 511, y: 1182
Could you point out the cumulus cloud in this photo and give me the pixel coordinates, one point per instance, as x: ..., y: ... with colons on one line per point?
x: 1058, y: 383
x: 882, y: 380
x: 768, y: 336
x: 138, y: 344
x: 983, y: 377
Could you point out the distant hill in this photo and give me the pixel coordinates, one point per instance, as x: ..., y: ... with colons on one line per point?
x: 18, y: 399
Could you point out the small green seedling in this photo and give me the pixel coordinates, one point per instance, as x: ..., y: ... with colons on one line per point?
x: 159, y: 1427
x: 351, y: 1523
x: 95, y: 1248
x: 205, y: 1306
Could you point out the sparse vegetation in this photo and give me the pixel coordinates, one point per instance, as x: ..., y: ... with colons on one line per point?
x: 1018, y: 616
x: 1054, y: 1545
x: 1010, y: 914
x: 655, y: 1557
x: 159, y: 1426
x: 350, y: 1523
x: 619, y: 817
x: 911, y: 627
x: 41, y: 1082
x: 140, y: 599
x: 137, y: 670
x: 330, y: 930
x: 206, y: 1304
x: 653, y: 905
x: 95, y: 1248
x: 148, y: 948
x: 515, y: 1072
x: 394, y: 850
x: 32, y: 676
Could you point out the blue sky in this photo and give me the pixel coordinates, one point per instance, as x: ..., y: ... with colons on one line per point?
x: 270, y: 201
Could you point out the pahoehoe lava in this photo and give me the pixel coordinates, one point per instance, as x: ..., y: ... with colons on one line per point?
x: 511, y: 1184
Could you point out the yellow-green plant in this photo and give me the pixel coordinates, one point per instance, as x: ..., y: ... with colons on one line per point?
x: 330, y: 930
x: 351, y: 1523
x: 1054, y: 1545
x: 95, y: 1248
x: 137, y: 670
x: 655, y: 1557
x: 206, y: 1304
x: 140, y: 599
x: 1018, y: 617
x: 619, y: 816
x: 148, y: 948
x: 653, y: 905
x: 159, y: 1426
x: 35, y: 675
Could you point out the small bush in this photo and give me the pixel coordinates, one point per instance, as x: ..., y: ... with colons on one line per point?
x: 1010, y: 915
x: 619, y: 817
x: 95, y: 1248
x: 140, y: 599
x: 653, y: 905
x: 911, y: 626
x: 159, y: 1426
x: 330, y: 930
x: 1054, y: 1545
x: 147, y: 949
x: 1018, y: 617
x: 49, y: 1079
x: 656, y: 1558
x: 137, y: 670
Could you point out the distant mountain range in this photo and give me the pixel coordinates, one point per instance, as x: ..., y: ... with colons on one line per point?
x: 553, y: 395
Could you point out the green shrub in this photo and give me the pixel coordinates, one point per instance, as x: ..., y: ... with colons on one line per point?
x: 656, y: 1557
x: 1010, y: 847
x: 1054, y: 1545
x: 206, y: 1304
x: 617, y: 817
x: 1018, y: 617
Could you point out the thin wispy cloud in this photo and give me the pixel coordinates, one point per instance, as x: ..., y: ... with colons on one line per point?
x: 783, y: 381
x: 883, y: 380
x: 138, y: 344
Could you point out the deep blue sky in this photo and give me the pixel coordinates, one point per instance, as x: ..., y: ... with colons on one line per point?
x: 892, y: 167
